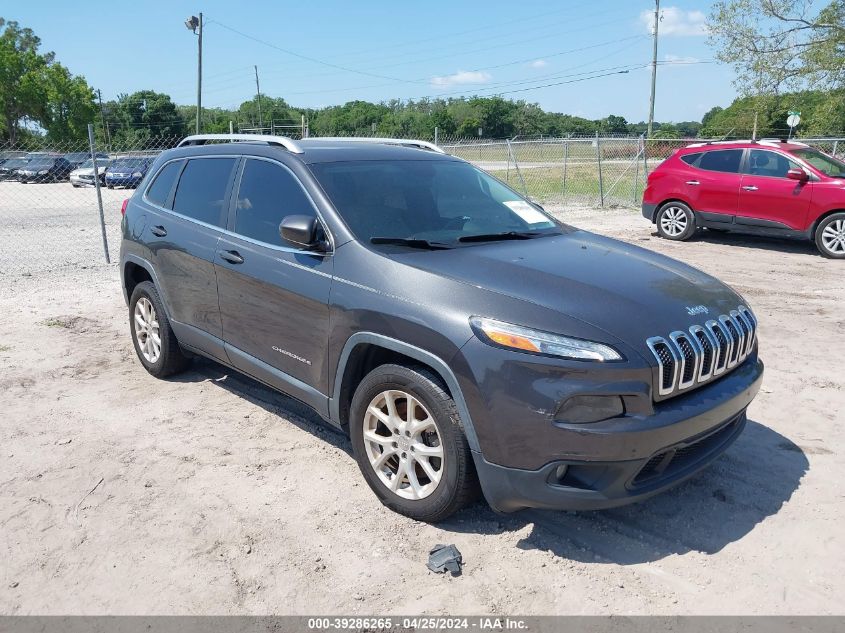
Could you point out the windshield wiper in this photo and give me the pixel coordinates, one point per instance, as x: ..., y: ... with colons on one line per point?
x: 507, y: 235
x: 411, y: 242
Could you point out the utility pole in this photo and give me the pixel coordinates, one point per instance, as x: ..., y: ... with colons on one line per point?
x: 199, y: 75
x: 653, y: 69
x: 106, y: 134
x: 258, y: 96
x: 194, y: 24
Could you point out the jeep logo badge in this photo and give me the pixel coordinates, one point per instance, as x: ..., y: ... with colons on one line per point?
x: 693, y: 310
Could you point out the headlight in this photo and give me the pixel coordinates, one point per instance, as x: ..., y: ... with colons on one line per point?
x: 43, y: 172
x: 137, y: 174
x: 526, y: 339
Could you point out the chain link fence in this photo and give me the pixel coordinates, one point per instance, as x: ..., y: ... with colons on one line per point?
x: 51, y: 211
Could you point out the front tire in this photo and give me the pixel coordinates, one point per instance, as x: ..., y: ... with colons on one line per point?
x: 410, y: 445
x: 830, y: 236
x: 153, y: 338
x: 675, y: 221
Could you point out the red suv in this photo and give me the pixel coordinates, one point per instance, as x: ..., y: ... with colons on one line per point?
x: 773, y: 188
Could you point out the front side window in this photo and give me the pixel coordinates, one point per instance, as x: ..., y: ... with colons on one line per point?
x: 160, y: 190
x: 724, y: 160
x: 201, y: 192
x: 765, y: 163
x: 268, y: 193
x: 827, y: 165
x: 441, y: 201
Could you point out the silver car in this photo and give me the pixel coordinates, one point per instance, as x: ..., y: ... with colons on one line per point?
x: 83, y: 175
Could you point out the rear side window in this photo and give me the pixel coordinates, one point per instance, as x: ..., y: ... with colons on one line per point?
x: 267, y: 194
x: 724, y: 160
x: 691, y: 159
x: 201, y: 192
x: 160, y: 190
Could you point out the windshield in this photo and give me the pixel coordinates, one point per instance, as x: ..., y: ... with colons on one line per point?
x: 827, y: 165
x: 15, y: 163
x: 129, y: 163
x: 40, y: 164
x: 89, y: 164
x: 435, y: 201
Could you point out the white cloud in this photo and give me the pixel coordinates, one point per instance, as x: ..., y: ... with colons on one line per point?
x: 675, y: 21
x: 539, y: 63
x: 680, y: 60
x: 460, y: 78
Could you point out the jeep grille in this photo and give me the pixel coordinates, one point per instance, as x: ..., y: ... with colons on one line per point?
x: 687, y: 359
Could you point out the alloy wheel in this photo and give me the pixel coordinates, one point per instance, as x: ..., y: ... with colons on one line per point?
x: 674, y: 221
x: 147, y: 330
x: 403, y: 444
x: 833, y: 237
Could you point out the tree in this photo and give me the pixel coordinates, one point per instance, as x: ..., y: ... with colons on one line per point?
x: 777, y: 45
x: 135, y: 119
x: 69, y: 105
x: 22, y: 89
x: 614, y: 124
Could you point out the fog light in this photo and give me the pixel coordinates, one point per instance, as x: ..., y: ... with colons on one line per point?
x: 586, y: 409
x: 560, y: 472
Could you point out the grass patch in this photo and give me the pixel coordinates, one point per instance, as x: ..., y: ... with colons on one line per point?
x: 60, y: 322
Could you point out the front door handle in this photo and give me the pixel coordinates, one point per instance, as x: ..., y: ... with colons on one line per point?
x: 158, y: 231
x: 693, y: 182
x: 233, y: 257
x: 749, y: 187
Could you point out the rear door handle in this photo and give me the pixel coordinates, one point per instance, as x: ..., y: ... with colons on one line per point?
x: 749, y: 187
x: 233, y: 257
x: 693, y: 182
x: 158, y: 231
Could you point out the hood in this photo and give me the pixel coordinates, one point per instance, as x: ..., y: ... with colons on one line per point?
x: 627, y: 291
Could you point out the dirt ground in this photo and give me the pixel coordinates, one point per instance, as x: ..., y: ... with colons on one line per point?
x: 209, y: 494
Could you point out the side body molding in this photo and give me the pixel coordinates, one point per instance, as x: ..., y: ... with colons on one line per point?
x: 416, y: 353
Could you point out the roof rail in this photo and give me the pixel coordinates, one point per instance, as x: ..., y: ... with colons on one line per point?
x: 282, y: 141
x: 383, y: 141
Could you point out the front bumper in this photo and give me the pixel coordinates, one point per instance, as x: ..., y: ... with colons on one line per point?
x: 629, y: 459
x: 649, y: 211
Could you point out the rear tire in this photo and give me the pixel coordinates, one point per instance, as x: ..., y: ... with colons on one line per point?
x: 675, y: 221
x: 830, y: 236
x: 153, y: 338
x: 410, y: 445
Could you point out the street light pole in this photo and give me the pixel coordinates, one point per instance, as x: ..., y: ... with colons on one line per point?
x: 653, y: 69
x: 194, y: 23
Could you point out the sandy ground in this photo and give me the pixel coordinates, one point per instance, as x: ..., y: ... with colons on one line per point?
x: 209, y: 494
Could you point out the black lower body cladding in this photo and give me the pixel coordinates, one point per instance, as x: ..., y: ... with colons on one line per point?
x: 649, y: 211
x: 626, y: 459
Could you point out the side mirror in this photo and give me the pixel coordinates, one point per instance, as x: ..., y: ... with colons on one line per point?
x: 301, y: 231
x: 797, y: 174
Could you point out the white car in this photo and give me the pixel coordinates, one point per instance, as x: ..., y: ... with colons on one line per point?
x: 84, y: 174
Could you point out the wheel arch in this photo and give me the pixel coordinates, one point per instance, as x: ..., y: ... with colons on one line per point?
x: 366, y: 350
x: 663, y: 203
x: 133, y: 271
x: 811, y: 233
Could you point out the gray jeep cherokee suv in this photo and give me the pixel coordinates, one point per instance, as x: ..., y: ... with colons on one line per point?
x: 462, y: 337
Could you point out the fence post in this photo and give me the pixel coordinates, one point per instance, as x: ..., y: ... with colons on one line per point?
x: 99, y: 195
x: 516, y: 166
x: 645, y: 159
x: 436, y: 134
x: 565, y: 161
x: 637, y: 170
x: 598, y: 158
x: 835, y: 145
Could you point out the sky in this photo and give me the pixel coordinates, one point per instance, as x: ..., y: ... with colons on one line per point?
x: 564, y: 55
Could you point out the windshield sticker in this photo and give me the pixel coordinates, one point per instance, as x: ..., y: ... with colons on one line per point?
x: 525, y: 211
